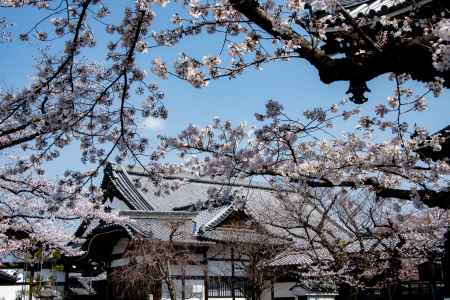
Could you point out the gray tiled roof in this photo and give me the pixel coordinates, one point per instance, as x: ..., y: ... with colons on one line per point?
x: 352, y: 3
x: 6, y: 278
x: 388, y: 7
x: 126, y: 187
x: 141, y: 194
x: 161, y: 230
x: 260, y: 199
x: 371, y: 245
x: 219, y: 217
x: 163, y: 226
x: 192, y: 227
x: 154, y: 220
x: 187, y: 194
x: 153, y: 223
x: 234, y: 235
x: 291, y: 259
x: 300, y: 258
x: 208, y: 228
x: 413, y: 241
x: 205, y: 215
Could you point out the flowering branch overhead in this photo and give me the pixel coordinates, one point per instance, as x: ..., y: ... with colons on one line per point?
x: 95, y: 91
x: 394, y: 58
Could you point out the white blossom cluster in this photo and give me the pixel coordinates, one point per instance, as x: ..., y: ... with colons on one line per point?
x: 441, y: 54
x: 99, y: 103
x: 43, y: 214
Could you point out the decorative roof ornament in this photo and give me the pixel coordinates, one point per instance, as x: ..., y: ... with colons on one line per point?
x: 239, y: 203
x: 357, y: 88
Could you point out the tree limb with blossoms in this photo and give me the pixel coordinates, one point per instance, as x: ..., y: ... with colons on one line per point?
x: 340, y: 45
x: 99, y: 103
x: 152, y: 262
x: 364, y: 212
x: 35, y: 213
x: 346, y: 239
x: 69, y: 99
x: 285, y: 150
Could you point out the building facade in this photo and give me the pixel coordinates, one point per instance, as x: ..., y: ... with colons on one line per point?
x: 214, y: 249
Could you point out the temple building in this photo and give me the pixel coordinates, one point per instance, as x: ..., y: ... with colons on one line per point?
x: 222, y: 242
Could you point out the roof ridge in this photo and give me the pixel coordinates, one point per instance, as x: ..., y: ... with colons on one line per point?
x: 145, y: 214
x: 124, y: 185
x: 218, y: 218
x: 203, y: 179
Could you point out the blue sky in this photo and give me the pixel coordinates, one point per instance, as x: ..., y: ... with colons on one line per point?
x: 295, y: 84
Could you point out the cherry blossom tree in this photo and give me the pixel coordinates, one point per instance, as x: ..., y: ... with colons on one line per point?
x: 36, y: 214
x: 345, y: 239
x: 97, y: 102
x: 285, y: 150
x: 252, y: 254
x: 380, y: 198
x: 150, y: 263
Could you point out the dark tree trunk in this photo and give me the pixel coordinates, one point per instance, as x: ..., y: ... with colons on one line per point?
x: 446, y: 264
x: 347, y: 292
x: 31, y: 284
x: 172, y: 289
x: 233, y: 296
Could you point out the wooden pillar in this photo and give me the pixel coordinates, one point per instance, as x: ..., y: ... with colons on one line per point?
x: 66, y: 280
x: 158, y: 292
x: 233, y: 296
x: 446, y: 264
x: 31, y: 283
x: 108, y: 291
x: 205, y: 274
x: 272, y: 290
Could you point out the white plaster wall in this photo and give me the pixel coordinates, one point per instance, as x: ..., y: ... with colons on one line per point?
x: 282, y: 289
x: 117, y: 204
x: 223, y: 268
x: 190, y: 270
x: 219, y: 251
x: 119, y: 262
x: 120, y: 246
x: 266, y: 294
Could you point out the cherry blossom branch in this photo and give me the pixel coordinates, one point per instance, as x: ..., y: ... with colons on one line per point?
x: 393, y: 59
